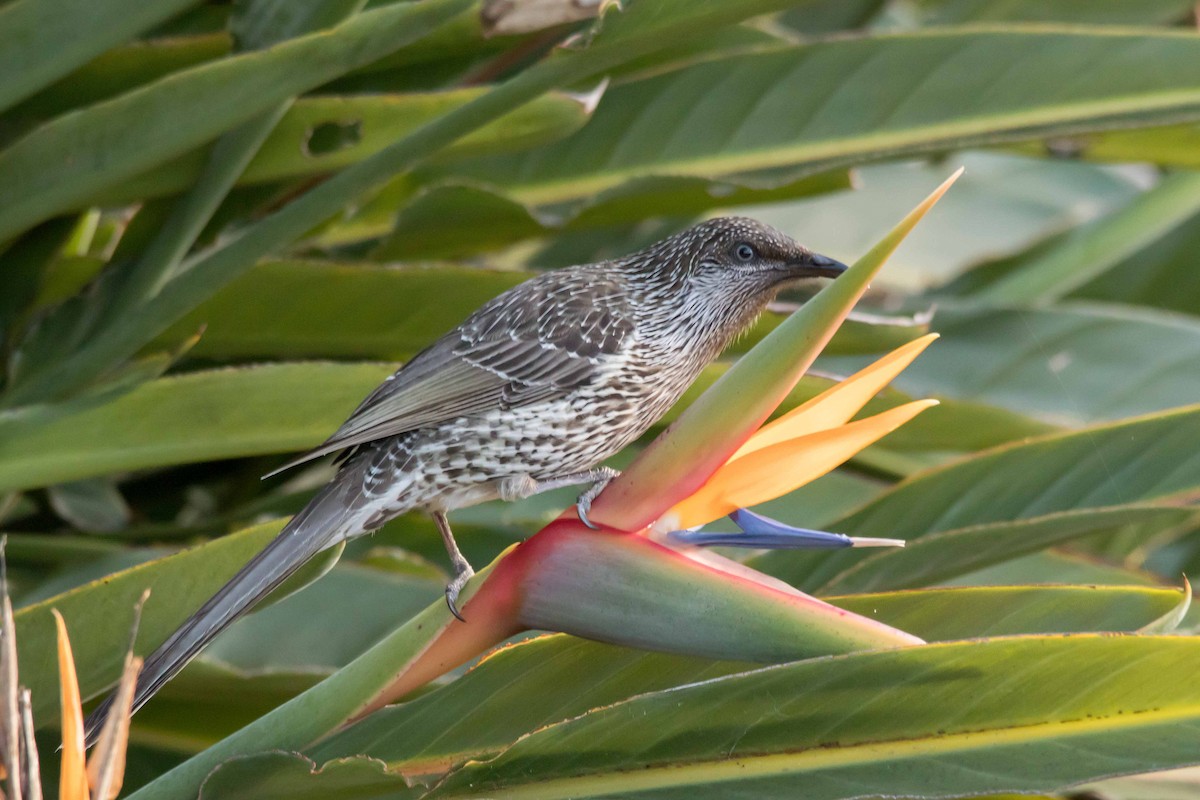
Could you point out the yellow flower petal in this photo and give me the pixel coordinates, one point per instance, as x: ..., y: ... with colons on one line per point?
x: 839, y: 403
x: 73, y: 783
x: 775, y: 470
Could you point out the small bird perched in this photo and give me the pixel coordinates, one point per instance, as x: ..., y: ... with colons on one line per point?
x: 530, y: 393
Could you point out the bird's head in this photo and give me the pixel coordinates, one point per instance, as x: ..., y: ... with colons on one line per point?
x: 741, y: 253
x: 725, y: 271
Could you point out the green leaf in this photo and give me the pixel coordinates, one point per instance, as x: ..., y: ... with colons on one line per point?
x: 1161, y: 275
x: 1091, y: 250
x: 42, y: 40
x: 939, y: 556
x: 1141, y: 460
x: 796, y: 110
x: 71, y: 157
x: 946, y: 614
x: 1057, y: 566
x: 115, y: 71
x: 307, y: 629
x: 223, y: 410
x: 1021, y: 714
x: 318, y: 135
x: 520, y: 689
x: 209, y: 700
x: 1068, y: 365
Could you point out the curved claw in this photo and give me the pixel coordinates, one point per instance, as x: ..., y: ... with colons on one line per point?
x: 455, y: 586
x: 451, y: 601
x: 583, y: 505
x: 581, y: 508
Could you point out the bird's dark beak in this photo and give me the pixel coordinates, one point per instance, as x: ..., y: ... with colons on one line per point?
x: 814, y: 265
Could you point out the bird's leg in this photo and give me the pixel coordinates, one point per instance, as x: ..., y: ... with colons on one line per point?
x: 521, y: 486
x: 462, y: 569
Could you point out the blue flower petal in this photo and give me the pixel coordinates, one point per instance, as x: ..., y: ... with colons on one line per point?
x: 764, y: 533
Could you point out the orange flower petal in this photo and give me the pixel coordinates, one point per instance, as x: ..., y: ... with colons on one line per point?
x: 73, y: 783
x: 839, y: 403
x: 775, y: 470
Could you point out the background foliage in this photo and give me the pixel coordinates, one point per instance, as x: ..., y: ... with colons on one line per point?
x: 222, y: 223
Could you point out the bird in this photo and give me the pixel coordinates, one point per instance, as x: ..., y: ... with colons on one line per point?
x: 531, y: 392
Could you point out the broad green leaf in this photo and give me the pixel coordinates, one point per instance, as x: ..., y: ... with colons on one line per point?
x: 798, y: 109
x: 308, y: 630
x: 1092, y: 250
x: 42, y: 40
x: 151, y: 424
x: 208, y: 700
x: 947, y: 554
x: 115, y: 71
x: 1067, y: 365
x: 315, y: 309
x: 1018, y: 715
x: 72, y: 157
x: 1161, y: 275
x: 1152, y: 458
x: 965, y: 613
x: 536, y: 683
x: 318, y: 135
x: 1057, y: 567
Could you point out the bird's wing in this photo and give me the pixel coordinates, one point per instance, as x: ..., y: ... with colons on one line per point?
x: 537, y: 341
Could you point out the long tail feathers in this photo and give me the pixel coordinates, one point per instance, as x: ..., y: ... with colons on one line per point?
x: 320, y: 525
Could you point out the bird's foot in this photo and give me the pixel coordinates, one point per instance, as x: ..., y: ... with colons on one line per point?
x: 462, y: 567
x: 602, y: 476
x: 462, y: 574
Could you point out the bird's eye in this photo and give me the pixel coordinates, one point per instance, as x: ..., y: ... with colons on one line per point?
x: 744, y: 252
